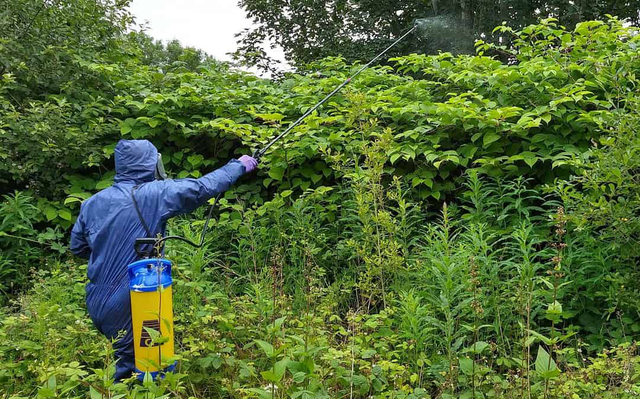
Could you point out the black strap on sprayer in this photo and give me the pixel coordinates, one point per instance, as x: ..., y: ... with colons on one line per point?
x: 158, y: 242
x: 149, y: 238
x: 137, y: 208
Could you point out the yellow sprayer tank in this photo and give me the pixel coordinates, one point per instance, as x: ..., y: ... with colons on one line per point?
x: 152, y: 316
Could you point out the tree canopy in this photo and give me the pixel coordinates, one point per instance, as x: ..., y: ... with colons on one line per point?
x: 311, y: 30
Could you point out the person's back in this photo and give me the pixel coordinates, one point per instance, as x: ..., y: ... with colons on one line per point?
x: 108, y: 225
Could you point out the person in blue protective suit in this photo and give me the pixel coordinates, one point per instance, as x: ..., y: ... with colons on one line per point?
x: 108, y: 225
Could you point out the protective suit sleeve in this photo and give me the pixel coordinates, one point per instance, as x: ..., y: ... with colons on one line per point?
x: 185, y: 195
x: 79, y: 244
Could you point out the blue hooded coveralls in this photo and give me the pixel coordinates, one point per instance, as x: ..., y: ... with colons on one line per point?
x: 108, y: 226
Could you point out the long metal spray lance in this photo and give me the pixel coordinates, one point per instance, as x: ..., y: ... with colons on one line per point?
x: 259, y: 153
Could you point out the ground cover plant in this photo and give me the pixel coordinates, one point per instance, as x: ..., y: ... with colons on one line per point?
x: 467, y: 311
x: 447, y: 227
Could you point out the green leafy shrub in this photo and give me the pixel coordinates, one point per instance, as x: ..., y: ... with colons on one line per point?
x: 446, y: 114
x: 23, y: 245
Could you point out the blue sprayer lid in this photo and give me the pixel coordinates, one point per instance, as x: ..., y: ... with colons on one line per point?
x: 143, y: 274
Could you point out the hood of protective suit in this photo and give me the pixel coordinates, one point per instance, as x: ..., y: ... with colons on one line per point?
x: 135, y: 161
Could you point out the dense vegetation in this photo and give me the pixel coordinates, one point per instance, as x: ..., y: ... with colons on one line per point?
x: 447, y: 227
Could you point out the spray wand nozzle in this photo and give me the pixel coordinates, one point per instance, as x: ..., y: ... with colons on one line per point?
x: 257, y: 154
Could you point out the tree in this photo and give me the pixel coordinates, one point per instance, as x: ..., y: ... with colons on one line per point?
x: 62, y: 65
x: 309, y: 30
x: 43, y: 41
x: 167, y: 57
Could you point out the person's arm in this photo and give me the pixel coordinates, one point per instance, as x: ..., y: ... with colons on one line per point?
x: 79, y: 244
x: 185, y: 195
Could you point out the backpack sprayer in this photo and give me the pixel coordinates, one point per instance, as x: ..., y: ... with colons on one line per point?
x: 150, y: 278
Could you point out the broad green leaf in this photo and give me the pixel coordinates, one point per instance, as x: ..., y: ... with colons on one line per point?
x: 51, y: 213
x: 530, y: 160
x: 70, y: 200
x: 490, y: 138
x: 545, y: 365
x: 266, y: 347
x: 276, y: 173
x: 195, y: 160
x: 64, y: 214
x: 276, y: 373
x: 216, y: 362
x: 52, y: 383
x: 127, y: 125
x: 299, y: 377
x: 428, y: 182
x: 466, y: 365
x: 554, y: 311
x: 102, y: 184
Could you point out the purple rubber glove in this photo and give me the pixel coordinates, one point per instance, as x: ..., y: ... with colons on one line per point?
x: 249, y: 163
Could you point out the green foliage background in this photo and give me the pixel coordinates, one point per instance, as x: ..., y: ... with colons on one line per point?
x: 446, y: 115
x: 447, y: 226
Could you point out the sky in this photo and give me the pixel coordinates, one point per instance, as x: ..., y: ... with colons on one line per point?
x: 209, y: 25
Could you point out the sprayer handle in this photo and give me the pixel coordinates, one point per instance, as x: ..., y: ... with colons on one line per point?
x: 257, y: 154
x: 144, y: 241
